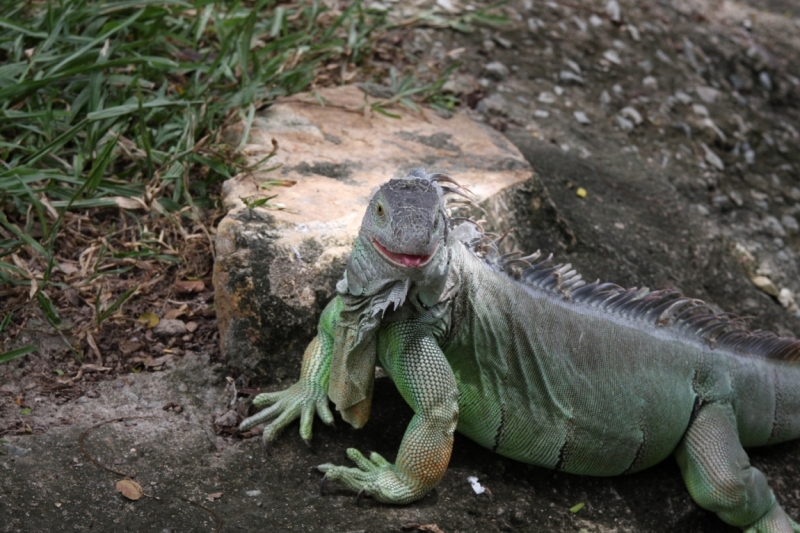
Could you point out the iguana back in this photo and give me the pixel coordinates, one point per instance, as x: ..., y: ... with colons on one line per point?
x: 565, y: 379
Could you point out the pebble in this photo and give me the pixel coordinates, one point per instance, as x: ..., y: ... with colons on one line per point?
x: 581, y: 24
x: 650, y: 82
x: 786, y: 299
x: 605, y: 99
x: 790, y: 224
x: 496, y: 70
x: 581, y: 117
x: 226, y: 420
x: 765, y: 80
x: 700, y: 109
x: 623, y: 123
x: 749, y: 154
x: 646, y: 65
x: 663, y: 57
x: 613, y: 10
x: 502, y: 41
x: 547, y: 97
x: 712, y: 158
x: 765, y: 284
x: 631, y: 113
x: 558, y: 90
x: 253, y: 493
x: 494, y: 104
x: 570, y: 77
x: 595, y: 21
x: 573, y: 65
x: 634, y: 31
x: 170, y: 327
x: 541, y: 113
x: 773, y: 226
x: 794, y: 193
x: 612, y: 56
x: 708, y: 123
x: 707, y: 94
x: 683, y: 98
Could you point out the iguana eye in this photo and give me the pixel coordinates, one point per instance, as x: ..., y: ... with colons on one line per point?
x: 379, y: 209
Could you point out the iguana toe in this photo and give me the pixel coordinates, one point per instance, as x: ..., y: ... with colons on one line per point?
x: 374, y: 477
x: 359, y: 496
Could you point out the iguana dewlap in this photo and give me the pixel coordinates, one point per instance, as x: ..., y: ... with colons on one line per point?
x: 529, y: 361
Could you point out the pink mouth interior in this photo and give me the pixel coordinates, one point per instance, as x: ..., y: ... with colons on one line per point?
x: 402, y: 259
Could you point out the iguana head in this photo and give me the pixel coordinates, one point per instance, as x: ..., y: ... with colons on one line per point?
x: 405, y: 221
x: 402, y: 238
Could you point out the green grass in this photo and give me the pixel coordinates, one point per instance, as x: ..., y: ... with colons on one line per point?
x: 104, y: 103
x: 126, y: 99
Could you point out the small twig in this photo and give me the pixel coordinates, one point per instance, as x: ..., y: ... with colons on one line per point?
x: 214, y: 514
x: 97, y: 463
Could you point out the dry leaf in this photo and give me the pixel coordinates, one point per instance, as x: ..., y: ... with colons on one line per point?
x: 214, y: 496
x: 158, y: 361
x: 150, y: 320
x: 128, y: 347
x: 191, y: 327
x: 175, y: 313
x: 130, y: 489
x: 190, y: 286
x: 129, y: 203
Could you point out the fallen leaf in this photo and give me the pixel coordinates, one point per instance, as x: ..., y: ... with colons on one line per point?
x: 214, y: 496
x: 130, y: 489
x: 191, y: 327
x: 190, y: 286
x: 158, y: 361
x: 577, y: 507
x: 129, y: 203
x: 150, y: 320
x: 172, y: 314
x: 128, y: 347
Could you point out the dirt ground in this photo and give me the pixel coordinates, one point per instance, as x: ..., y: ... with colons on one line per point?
x: 680, y: 123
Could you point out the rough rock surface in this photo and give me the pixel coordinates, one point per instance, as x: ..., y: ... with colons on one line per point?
x: 277, y: 265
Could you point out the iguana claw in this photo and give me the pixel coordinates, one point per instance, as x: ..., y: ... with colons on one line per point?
x: 310, y: 446
x: 374, y: 477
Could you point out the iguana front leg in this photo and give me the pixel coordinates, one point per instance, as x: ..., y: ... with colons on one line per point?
x: 303, y: 399
x: 719, y: 476
x: 423, y: 376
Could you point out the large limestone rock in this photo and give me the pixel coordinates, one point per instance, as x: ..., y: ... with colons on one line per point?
x: 277, y: 265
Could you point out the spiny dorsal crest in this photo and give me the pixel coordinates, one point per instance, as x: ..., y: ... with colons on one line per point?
x: 662, y: 308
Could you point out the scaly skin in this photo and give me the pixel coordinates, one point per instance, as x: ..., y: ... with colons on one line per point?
x: 602, y: 383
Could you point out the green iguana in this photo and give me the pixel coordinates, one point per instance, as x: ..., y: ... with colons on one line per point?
x: 529, y: 361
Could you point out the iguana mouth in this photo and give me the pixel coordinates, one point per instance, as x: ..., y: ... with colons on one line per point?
x: 406, y: 260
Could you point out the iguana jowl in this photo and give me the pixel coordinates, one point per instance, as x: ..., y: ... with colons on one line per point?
x: 529, y: 361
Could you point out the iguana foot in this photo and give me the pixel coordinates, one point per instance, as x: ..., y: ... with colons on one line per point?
x: 375, y: 477
x: 300, y: 400
x: 775, y: 521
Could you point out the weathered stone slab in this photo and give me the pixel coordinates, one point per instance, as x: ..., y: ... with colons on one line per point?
x: 276, y: 269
